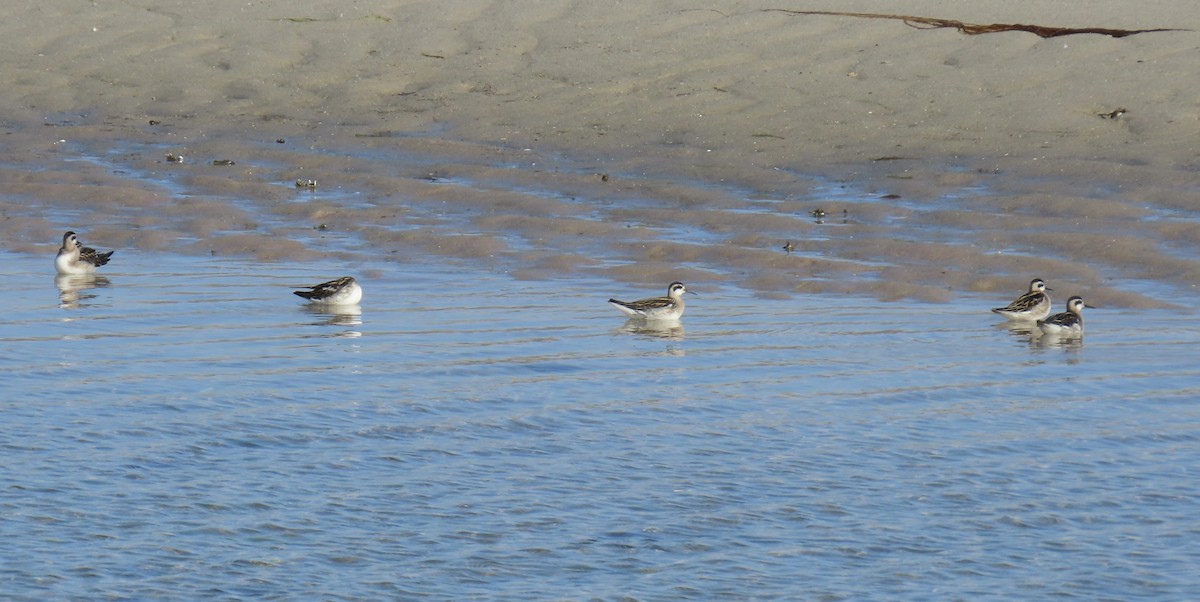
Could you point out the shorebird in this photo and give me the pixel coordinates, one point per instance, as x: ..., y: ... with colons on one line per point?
x: 1034, y: 305
x: 1068, y: 323
x: 657, y: 308
x: 74, y: 258
x: 343, y: 291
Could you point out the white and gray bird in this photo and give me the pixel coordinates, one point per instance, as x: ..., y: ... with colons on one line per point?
x: 1032, y: 306
x: 1067, y: 324
x: 657, y: 308
x: 74, y: 258
x: 343, y: 291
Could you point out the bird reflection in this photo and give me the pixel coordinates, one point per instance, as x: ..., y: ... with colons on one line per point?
x: 660, y: 329
x: 1029, y: 334
x: 337, y: 315
x: 1057, y: 341
x: 72, y: 289
x: 1023, y: 331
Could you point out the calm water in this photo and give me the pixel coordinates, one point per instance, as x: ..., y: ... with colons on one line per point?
x: 188, y: 430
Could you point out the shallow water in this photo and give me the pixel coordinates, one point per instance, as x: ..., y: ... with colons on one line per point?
x: 486, y: 427
x: 190, y: 429
x: 928, y: 232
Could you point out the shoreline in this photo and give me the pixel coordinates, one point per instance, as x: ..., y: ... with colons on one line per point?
x: 929, y: 237
x: 967, y: 162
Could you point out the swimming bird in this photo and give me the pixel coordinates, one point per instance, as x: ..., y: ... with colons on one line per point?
x: 343, y: 291
x: 1034, y: 305
x: 74, y: 258
x: 657, y: 308
x: 1068, y: 323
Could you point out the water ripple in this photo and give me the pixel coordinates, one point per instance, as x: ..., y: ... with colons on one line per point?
x: 212, y: 438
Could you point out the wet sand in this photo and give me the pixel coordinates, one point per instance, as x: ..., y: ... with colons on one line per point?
x: 642, y: 143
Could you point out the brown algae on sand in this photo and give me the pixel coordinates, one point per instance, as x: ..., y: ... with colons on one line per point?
x: 974, y: 29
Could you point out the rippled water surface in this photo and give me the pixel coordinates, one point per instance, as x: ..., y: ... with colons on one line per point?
x: 187, y: 429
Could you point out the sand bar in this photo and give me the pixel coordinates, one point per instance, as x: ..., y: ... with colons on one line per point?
x: 642, y: 141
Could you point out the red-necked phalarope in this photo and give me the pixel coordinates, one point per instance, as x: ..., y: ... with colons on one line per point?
x: 343, y: 291
x: 658, y: 308
x: 74, y: 258
x: 1068, y: 323
x: 1034, y: 305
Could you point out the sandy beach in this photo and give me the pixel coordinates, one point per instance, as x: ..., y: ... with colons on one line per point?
x: 641, y: 142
